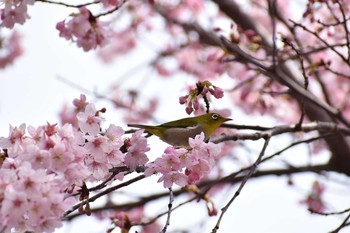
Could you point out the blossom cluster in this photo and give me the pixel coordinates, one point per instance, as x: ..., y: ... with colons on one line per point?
x: 14, y: 11
x: 10, y: 49
x: 314, y: 199
x: 184, y: 166
x: 43, y: 165
x: 84, y: 29
x: 124, y: 220
x: 204, y: 89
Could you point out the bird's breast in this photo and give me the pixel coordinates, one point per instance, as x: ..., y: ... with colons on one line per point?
x: 179, y: 136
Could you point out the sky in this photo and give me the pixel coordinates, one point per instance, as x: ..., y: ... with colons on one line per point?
x: 32, y: 93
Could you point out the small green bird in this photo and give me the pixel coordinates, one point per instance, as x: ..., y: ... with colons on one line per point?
x: 177, y: 132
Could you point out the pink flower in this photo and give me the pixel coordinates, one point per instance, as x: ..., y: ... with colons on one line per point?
x: 314, y: 200
x: 170, y: 161
x: 32, y: 200
x: 181, y: 166
x: 196, y: 171
x: 60, y: 157
x: 114, y: 134
x: 201, y: 62
x: 136, y: 152
x: 88, y: 121
x: 202, y: 89
x: 10, y: 49
x: 14, y: 140
x: 191, y: 102
x: 70, y: 135
x: 13, y: 207
x: 37, y: 157
x: 36, y: 133
x: 201, y: 160
x: 196, y: 142
x: 173, y: 177
x: 187, y: 10
x: 121, y: 42
x: 84, y: 29
x: 109, y: 3
x: 189, y: 108
x: 80, y: 103
x: 69, y: 115
x: 98, y: 170
x: 14, y: 11
x: 98, y: 146
x: 162, y: 70
x: 217, y: 92
x: 183, y: 99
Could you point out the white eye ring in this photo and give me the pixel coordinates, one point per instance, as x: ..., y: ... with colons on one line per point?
x: 215, y: 116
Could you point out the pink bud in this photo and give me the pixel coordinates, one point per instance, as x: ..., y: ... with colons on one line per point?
x: 217, y: 92
x: 183, y: 99
x: 189, y: 109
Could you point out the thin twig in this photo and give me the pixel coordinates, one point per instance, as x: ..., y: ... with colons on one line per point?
x: 344, y: 22
x: 248, y: 127
x: 330, y: 213
x: 272, y: 14
x: 306, y: 80
x: 244, y: 181
x: 174, y: 208
x: 319, y: 38
x: 295, y: 144
x: 170, y: 206
x: 66, y: 4
x: 112, y: 10
x: 342, y: 225
x: 98, y: 195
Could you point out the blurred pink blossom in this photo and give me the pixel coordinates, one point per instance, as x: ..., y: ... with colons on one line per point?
x: 14, y: 11
x: 11, y: 49
x: 88, y: 121
x: 135, y: 155
x: 84, y: 29
x: 185, y: 166
x: 314, y: 200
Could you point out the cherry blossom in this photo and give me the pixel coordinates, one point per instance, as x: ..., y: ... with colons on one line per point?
x: 84, y: 29
x: 13, y: 141
x: 51, y: 159
x: 314, y: 200
x: 201, y: 62
x: 69, y: 115
x: 109, y: 3
x: 88, y: 121
x: 202, y: 88
x: 14, y: 11
x: 185, y: 166
x: 32, y: 199
x: 123, y: 41
x: 136, y: 150
x: 10, y: 50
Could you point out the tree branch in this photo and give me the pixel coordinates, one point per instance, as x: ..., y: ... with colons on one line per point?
x: 230, y: 179
x: 323, y: 127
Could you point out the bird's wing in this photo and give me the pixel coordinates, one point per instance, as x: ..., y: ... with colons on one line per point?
x: 183, y: 123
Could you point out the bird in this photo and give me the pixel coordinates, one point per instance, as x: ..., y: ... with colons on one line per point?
x: 177, y: 133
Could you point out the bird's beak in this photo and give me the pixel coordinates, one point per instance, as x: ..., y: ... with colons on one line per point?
x: 227, y: 119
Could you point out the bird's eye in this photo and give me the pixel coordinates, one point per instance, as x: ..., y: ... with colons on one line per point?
x: 215, y: 116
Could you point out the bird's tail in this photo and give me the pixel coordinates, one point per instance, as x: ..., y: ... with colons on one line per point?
x: 148, y: 128
x: 137, y: 126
